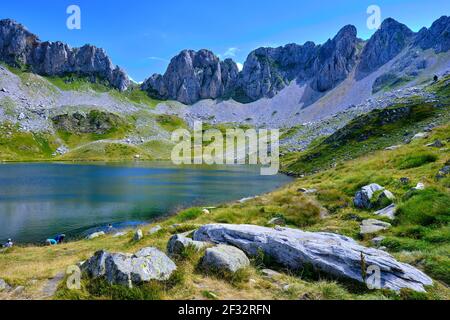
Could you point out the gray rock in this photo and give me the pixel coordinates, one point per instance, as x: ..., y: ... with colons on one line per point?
x: 128, y: 270
x: 154, y: 230
x: 420, y: 135
x: 444, y: 172
x: 388, y: 212
x: 178, y: 243
x: 271, y: 274
x: 151, y: 264
x: 192, y: 76
x: 378, y: 240
x: 18, y: 45
x: 385, y: 44
x: 224, y: 258
x: 95, y: 235
x: 420, y: 186
x: 363, y: 198
x: 333, y: 254
x: 138, y: 235
x: 436, y: 144
x: 371, y: 226
x: 4, y: 286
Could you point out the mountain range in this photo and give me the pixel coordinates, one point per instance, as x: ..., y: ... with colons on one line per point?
x: 197, y: 75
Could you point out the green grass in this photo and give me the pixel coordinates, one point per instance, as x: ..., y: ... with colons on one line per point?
x: 16, y: 145
x: 415, y: 160
x: 170, y: 122
x: 377, y: 130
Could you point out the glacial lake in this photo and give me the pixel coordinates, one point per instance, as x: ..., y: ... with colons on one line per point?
x: 40, y: 200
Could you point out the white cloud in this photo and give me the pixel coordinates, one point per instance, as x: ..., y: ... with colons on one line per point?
x: 240, y: 66
x: 230, y: 53
x: 158, y: 59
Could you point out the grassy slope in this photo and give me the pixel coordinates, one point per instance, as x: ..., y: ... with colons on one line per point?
x: 20, y: 146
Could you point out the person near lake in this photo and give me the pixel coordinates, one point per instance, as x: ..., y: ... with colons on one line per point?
x: 51, y: 242
x: 8, y: 244
x: 60, y: 238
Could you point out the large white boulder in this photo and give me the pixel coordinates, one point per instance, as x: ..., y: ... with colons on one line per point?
x: 334, y: 254
x: 127, y: 270
x: 224, y: 258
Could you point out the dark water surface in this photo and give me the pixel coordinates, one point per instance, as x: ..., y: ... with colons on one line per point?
x: 40, y: 200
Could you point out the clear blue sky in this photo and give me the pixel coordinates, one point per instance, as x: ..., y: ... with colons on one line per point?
x: 142, y: 35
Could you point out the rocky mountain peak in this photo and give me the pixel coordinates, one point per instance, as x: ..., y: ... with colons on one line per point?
x: 384, y: 45
x: 192, y: 76
x: 19, y: 47
x: 437, y: 37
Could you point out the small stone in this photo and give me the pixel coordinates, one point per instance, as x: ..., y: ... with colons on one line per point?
x: 420, y: 186
x: 18, y: 290
x: 445, y: 171
x: 420, y: 135
x: 392, y: 148
x: 138, y: 235
x: 404, y: 180
x: 388, y: 212
x: 271, y: 274
x: 373, y: 226
x: 378, y: 240
x: 154, y: 230
x: 178, y: 243
x: 436, y: 144
x: 4, y: 286
x: 224, y: 258
x: 95, y: 235
x: 206, y: 211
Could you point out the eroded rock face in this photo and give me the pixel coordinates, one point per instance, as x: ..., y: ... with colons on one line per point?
x: 269, y: 70
x: 385, y: 44
x: 436, y: 37
x: 224, y: 258
x: 192, y: 76
x: 127, y: 270
x: 18, y: 46
x: 336, y: 255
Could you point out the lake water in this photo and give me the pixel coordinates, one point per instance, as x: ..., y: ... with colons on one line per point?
x: 40, y: 200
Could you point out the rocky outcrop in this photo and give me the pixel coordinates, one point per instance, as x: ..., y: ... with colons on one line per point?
x: 128, y: 270
x: 20, y: 47
x: 384, y: 45
x: 269, y: 70
x: 192, y: 76
x: 224, y: 258
x: 437, y: 37
x: 333, y: 254
x: 371, y: 226
x: 372, y: 196
x: 97, y: 122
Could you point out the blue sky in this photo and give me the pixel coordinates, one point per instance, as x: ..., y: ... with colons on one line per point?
x: 142, y: 35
